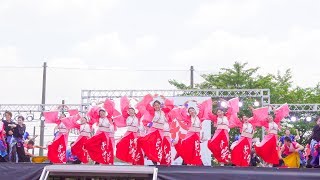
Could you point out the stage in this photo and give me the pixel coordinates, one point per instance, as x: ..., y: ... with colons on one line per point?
x: 27, y: 171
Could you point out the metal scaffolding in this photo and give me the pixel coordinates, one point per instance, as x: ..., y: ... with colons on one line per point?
x: 263, y: 95
x: 34, y: 108
x: 302, y: 108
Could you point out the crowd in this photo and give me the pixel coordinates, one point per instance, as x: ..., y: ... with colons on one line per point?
x: 151, y: 135
x: 15, y: 142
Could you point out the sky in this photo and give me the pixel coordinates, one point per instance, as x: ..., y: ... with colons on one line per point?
x: 125, y: 44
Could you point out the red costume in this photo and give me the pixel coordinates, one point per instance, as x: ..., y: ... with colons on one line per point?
x: 128, y: 149
x: 158, y: 121
x: 78, y: 149
x: 219, y: 143
x: 189, y: 147
x: 57, y: 149
x: 100, y: 146
x: 268, y: 149
x: 241, y: 150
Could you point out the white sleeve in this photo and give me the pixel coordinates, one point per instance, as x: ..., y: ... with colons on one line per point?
x: 129, y: 121
x: 100, y: 122
x: 111, y: 128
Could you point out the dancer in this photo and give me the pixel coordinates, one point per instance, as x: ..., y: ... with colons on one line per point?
x: 77, y: 148
x: 290, y: 153
x: 57, y: 149
x: 158, y: 120
x: 241, y: 149
x: 219, y: 143
x: 268, y: 149
x: 189, y: 147
x: 315, y: 144
x: 100, y: 146
x: 3, y: 145
x: 128, y: 149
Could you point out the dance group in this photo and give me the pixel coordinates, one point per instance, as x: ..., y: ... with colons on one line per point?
x: 150, y: 133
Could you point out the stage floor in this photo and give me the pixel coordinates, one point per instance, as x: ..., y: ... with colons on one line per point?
x: 27, y: 171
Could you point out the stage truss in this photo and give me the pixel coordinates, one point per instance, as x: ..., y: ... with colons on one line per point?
x: 34, y: 108
x: 303, y: 108
x: 263, y: 95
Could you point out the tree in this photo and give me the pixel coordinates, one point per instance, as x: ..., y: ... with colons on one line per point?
x: 239, y: 76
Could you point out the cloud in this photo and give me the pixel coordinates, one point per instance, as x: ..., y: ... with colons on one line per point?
x: 18, y: 85
x: 8, y: 56
x: 54, y: 16
x: 222, y: 13
x: 109, y: 49
x: 299, y: 51
x: 103, y: 45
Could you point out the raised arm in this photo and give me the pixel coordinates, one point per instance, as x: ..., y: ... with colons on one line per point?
x: 213, y: 117
x: 146, y: 100
x: 71, y: 121
x: 297, y: 137
x: 124, y: 106
x: 73, y: 112
x: 259, y: 117
x: 233, y: 108
x: 109, y: 106
x: 234, y: 122
x: 93, y: 114
x: 281, y: 112
x: 204, y: 109
x: 168, y: 105
x: 51, y: 117
x: 299, y: 147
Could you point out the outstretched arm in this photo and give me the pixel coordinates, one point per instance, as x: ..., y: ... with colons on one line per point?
x: 299, y: 147
x: 297, y: 137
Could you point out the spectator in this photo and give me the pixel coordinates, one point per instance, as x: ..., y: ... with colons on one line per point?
x: 8, y: 127
x: 315, y: 144
x: 72, y: 158
x: 288, y: 134
x: 29, y: 145
x: 18, y: 133
x: 255, y: 160
x: 3, y: 145
x: 290, y: 153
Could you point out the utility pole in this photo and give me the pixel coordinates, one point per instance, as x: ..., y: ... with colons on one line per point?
x: 43, y: 102
x: 63, y: 107
x: 191, y: 77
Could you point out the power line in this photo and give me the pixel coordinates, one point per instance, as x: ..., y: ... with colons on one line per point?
x: 105, y: 69
x: 118, y: 69
x: 20, y: 67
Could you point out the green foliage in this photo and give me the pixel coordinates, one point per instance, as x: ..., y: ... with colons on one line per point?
x: 240, y: 76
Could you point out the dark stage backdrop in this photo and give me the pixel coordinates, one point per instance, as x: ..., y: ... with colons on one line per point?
x: 28, y: 171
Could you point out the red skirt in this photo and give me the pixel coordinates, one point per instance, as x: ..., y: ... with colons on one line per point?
x: 151, y: 145
x: 178, y: 148
x: 57, y: 149
x: 189, y: 149
x: 128, y: 150
x: 78, y: 149
x: 268, y: 149
x: 219, y: 145
x: 241, y: 153
x: 100, y: 148
x: 166, y: 152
